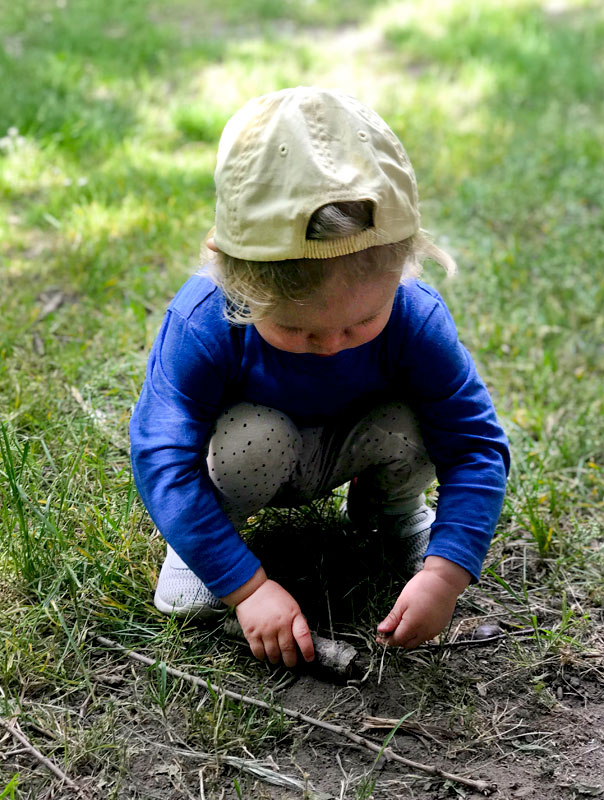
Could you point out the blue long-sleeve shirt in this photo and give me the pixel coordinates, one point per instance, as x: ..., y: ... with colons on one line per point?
x: 200, y: 364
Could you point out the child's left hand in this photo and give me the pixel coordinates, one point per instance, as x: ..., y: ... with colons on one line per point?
x: 425, y: 605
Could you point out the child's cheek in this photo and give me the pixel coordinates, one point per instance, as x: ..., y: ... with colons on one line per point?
x: 377, y: 327
x: 283, y: 341
x: 366, y: 334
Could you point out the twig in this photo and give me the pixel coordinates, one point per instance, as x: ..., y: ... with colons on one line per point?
x: 485, y: 787
x: 260, y: 770
x: 42, y: 759
x: 592, y: 655
x: 414, y: 728
x: 498, y: 638
x: 346, y: 780
x: 379, y: 680
x: 479, y: 642
x: 12, y: 753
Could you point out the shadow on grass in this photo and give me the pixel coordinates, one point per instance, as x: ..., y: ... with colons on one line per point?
x: 66, y: 67
x: 63, y: 67
x: 532, y: 55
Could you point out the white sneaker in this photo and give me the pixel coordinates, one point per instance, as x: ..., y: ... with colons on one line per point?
x: 180, y: 593
x: 408, y: 535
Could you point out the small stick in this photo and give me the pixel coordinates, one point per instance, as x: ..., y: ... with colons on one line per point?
x: 379, y: 680
x: 260, y: 770
x: 497, y: 638
x: 485, y: 787
x: 332, y: 655
x: 12, y: 753
x: 201, y: 789
x: 415, y: 728
x: 28, y: 747
x: 478, y: 642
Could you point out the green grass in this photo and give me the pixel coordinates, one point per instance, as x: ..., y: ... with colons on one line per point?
x: 109, y: 118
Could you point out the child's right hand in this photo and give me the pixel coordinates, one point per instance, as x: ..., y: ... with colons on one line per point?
x: 273, y: 623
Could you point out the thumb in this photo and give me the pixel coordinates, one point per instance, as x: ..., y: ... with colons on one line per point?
x: 391, y: 622
x: 303, y: 637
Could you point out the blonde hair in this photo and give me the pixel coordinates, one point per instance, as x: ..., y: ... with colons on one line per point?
x: 254, y: 289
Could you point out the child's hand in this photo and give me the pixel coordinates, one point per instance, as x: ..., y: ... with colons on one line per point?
x: 273, y: 624
x: 425, y: 605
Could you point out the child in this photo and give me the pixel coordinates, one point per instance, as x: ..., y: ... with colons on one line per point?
x: 299, y: 361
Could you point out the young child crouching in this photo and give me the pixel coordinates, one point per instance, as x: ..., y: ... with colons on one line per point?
x: 308, y: 355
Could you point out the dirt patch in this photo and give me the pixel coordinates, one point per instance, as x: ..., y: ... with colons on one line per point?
x: 524, y: 712
x: 532, y: 726
x: 525, y: 741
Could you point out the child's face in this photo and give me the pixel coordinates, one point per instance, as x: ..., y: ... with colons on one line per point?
x: 338, y: 317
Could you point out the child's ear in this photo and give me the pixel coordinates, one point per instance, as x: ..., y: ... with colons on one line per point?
x: 210, y: 243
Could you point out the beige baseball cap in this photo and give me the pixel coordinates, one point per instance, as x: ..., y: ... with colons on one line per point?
x: 286, y: 154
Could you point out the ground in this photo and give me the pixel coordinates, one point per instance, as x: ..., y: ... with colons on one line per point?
x: 110, y: 115
x: 523, y: 713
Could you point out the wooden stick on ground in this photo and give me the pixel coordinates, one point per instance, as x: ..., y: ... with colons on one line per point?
x: 260, y: 770
x: 42, y: 759
x: 485, y: 787
x: 332, y: 655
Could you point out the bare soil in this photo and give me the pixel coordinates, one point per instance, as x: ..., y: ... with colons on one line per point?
x: 524, y: 713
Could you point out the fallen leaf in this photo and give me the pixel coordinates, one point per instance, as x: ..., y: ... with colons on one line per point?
x: 52, y: 300
x: 38, y: 344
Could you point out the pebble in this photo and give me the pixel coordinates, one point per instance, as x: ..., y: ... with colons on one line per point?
x: 486, y: 631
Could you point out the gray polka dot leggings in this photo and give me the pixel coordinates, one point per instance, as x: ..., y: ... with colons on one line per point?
x: 257, y: 457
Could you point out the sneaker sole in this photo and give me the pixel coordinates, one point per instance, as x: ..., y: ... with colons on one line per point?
x: 203, y: 611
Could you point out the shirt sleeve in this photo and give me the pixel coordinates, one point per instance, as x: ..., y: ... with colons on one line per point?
x: 462, y: 436
x: 169, y: 432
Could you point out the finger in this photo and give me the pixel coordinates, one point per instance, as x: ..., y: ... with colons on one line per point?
x: 411, y: 644
x: 272, y: 650
x: 271, y: 647
x: 409, y: 636
x: 257, y: 648
x: 287, y: 645
x: 391, y: 639
x: 399, y: 637
x: 303, y: 638
x: 390, y: 623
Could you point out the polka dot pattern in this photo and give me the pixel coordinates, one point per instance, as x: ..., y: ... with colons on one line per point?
x: 253, y: 452
x: 258, y: 457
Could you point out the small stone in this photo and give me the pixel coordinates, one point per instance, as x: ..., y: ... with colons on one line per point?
x: 487, y: 632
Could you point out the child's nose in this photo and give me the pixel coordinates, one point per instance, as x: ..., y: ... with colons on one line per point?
x: 328, y: 342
